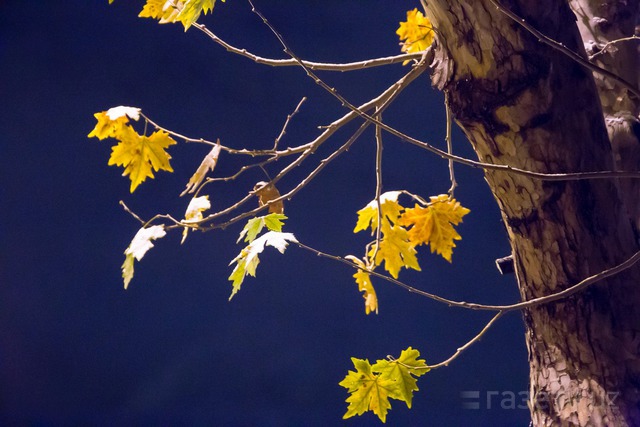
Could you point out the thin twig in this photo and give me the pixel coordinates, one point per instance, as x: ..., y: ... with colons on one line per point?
x: 379, y: 148
x: 385, y: 98
x: 467, y: 345
x: 628, y: 263
x: 607, y: 45
x: 565, y: 50
x: 452, y: 176
x: 286, y: 123
x: 571, y: 176
x: 130, y: 212
x: 350, y: 66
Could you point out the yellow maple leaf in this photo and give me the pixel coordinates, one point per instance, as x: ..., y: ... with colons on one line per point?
x: 168, y: 11
x: 368, y: 216
x: 396, y: 250
x: 140, y: 154
x: 106, y: 127
x: 363, y: 279
x: 165, y: 11
x: 416, y: 33
x: 434, y: 224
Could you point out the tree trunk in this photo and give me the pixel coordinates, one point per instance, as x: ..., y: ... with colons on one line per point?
x: 524, y: 104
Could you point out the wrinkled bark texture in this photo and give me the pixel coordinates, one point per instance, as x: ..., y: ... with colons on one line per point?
x: 523, y: 104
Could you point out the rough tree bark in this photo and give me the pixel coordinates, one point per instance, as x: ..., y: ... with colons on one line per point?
x: 524, y: 104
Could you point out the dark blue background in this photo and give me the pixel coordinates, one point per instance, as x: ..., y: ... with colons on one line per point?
x: 75, y: 348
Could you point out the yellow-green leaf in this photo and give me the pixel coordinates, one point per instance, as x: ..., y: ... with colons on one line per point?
x: 369, y: 391
x: 247, y: 261
x: 371, y: 386
x: 254, y: 226
x: 402, y: 372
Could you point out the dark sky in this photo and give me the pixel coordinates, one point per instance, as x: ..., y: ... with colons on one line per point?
x: 76, y: 349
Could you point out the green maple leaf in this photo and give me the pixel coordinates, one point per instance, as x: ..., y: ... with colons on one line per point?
x: 254, y: 226
x: 371, y: 387
x: 401, y: 371
x: 369, y: 391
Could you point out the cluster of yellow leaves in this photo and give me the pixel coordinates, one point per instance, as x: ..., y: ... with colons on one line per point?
x: 169, y: 11
x: 371, y: 386
x: 401, y: 231
x: 416, y: 33
x: 138, y: 154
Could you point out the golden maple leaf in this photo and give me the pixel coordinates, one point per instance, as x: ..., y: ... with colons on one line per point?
x: 434, y: 224
x: 389, y: 206
x: 396, y: 250
x: 168, y: 11
x: 363, y: 279
x: 416, y: 33
x: 107, y: 127
x: 140, y: 154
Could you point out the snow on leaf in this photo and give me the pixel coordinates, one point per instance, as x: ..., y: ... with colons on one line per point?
x: 107, y: 128
x: 196, y: 206
x: 208, y: 165
x: 369, y: 391
x: 396, y: 251
x: 434, y: 224
x: 368, y: 216
x: 247, y: 261
x: 416, y: 33
x: 111, y: 122
x: 139, y: 246
x: 121, y: 111
x: 140, y: 154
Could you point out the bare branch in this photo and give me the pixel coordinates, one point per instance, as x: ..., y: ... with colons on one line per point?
x: 130, y: 212
x: 472, y: 341
x: 378, y: 186
x: 452, y: 176
x: 628, y: 263
x: 607, y: 45
x: 569, y: 176
x: 286, y: 123
x: 350, y: 66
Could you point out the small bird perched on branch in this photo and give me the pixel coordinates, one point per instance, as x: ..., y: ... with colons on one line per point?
x: 267, y: 192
